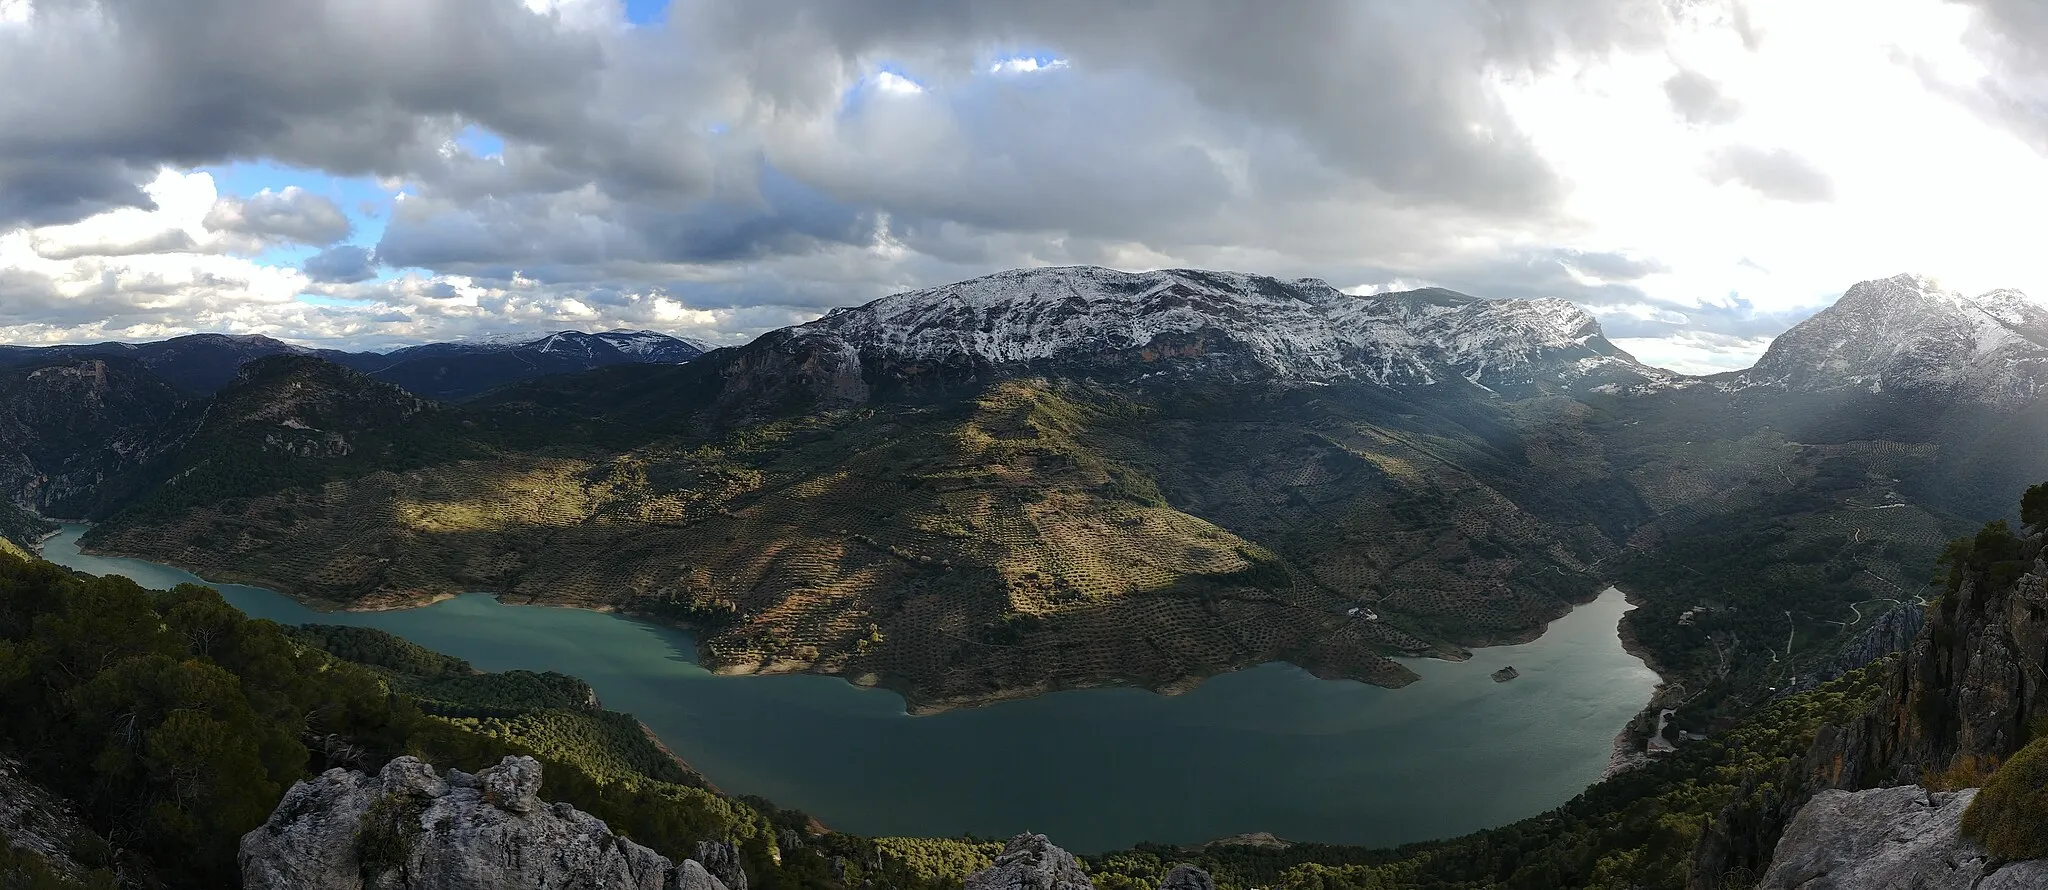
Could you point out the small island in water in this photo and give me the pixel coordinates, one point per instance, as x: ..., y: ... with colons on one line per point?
x: 1505, y: 674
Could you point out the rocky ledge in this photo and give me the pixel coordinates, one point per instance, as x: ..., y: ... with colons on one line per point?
x: 1890, y: 838
x: 1030, y: 862
x: 410, y: 828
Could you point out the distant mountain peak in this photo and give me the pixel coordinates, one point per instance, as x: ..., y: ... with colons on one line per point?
x: 1911, y: 333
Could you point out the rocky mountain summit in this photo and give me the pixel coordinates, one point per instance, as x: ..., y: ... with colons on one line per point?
x: 1891, y: 838
x: 1909, y: 334
x: 410, y: 828
x: 1300, y: 329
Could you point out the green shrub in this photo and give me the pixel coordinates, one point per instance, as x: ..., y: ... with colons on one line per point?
x: 2010, y: 815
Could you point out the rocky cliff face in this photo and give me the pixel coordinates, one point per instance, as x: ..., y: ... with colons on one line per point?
x: 1901, y: 837
x: 67, y: 429
x: 409, y: 828
x: 1975, y: 685
x: 1968, y: 692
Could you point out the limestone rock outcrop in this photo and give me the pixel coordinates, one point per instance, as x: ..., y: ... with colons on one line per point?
x: 1187, y: 877
x: 410, y: 828
x: 722, y: 860
x: 1900, y: 837
x: 1030, y: 862
x: 1975, y: 683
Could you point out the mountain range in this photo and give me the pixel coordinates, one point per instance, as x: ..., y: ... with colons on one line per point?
x: 202, y: 363
x: 1063, y: 477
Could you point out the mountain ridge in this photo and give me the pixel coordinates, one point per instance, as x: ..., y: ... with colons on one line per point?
x: 1300, y: 329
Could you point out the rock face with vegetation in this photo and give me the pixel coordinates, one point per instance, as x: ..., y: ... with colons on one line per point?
x: 1903, y: 836
x: 410, y: 828
x: 1030, y: 862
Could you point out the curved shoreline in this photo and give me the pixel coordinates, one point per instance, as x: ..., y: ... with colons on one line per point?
x: 1301, y: 704
x: 913, y: 704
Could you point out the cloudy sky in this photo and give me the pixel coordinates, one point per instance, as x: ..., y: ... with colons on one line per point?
x: 1700, y: 174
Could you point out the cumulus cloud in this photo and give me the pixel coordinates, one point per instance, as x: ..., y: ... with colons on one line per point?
x: 1772, y: 172
x: 344, y: 264
x: 292, y: 215
x: 1699, y: 99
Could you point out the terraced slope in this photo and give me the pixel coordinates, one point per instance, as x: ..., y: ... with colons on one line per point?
x: 1001, y: 546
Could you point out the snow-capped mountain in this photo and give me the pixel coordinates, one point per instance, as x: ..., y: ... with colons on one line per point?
x: 1907, y: 333
x: 607, y: 347
x: 465, y: 368
x: 1183, y: 320
x: 654, y: 346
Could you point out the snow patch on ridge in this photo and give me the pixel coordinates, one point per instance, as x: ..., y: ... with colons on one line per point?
x: 1300, y: 329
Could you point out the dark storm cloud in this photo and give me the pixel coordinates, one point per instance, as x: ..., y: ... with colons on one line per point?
x: 1773, y: 173
x: 530, y: 232
x: 38, y: 188
x: 342, y: 264
x: 100, y: 93
x: 1698, y: 99
x: 2009, y: 36
x: 294, y: 215
x: 1393, y: 92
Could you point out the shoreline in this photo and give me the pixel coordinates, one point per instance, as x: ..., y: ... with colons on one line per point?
x: 913, y: 705
x: 1626, y: 752
x: 1631, y: 751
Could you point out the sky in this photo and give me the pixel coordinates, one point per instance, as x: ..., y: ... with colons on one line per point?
x: 1698, y: 174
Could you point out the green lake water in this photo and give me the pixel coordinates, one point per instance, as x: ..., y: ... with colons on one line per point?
x: 1270, y: 748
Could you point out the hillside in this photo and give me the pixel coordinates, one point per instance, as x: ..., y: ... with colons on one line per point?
x: 71, y: 431
x: 199, y: 365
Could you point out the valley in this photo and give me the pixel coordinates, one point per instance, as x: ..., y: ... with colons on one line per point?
x: 1265, y: 749
x: 1069, y: 478
x: 1012, y: 500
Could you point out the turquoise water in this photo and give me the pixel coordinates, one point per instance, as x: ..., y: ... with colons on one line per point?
x: 1270, y: 748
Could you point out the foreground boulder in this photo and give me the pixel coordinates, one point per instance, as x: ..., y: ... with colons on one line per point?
x: 1030, y: 862
x: 1902, y: 837
x: 1187, y: 877
x: 410, y: 828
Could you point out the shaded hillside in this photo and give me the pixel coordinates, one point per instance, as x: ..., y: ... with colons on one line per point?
x: 70, y: 432
x: 292, y: 421
x: 1036, y: 535
x: 457, y: 371
x: 196, y: 365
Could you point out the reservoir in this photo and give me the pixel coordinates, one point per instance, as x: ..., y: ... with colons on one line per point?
x: 1269, y: 749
